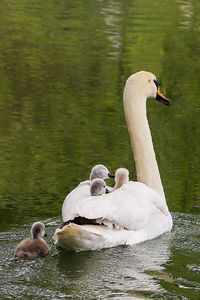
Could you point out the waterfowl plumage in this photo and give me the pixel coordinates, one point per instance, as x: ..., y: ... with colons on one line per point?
x: 98, y: 187
x: 121, y: 177
x: 35, y: 246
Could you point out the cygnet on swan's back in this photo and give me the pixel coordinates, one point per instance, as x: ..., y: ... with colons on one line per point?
x: 121, y: 177
x: 98, y: 187
x: 35, y: 246
x: 100, y: 171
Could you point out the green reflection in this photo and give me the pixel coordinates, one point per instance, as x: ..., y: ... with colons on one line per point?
x: 63, y: 67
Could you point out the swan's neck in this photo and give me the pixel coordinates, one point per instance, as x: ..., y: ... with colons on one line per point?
x: 141, y: 140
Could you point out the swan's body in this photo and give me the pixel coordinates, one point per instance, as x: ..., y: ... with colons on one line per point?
x: 137, y: 211
x: 35, y: 246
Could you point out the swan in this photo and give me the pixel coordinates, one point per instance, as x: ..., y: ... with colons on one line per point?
x: 35, y: 246
x: 138, y: 210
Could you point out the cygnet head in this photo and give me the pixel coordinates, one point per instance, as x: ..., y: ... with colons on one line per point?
x: 38, y: 230
x: 121, y: 177
x: 98, y: 187
x: 100, y: 171
x: 145, y: 84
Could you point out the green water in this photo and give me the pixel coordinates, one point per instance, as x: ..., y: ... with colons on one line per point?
x: 63, y: 66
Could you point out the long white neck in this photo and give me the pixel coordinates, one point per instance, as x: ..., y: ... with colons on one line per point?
x: 141, y: 140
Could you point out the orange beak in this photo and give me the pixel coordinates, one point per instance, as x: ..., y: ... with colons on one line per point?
x: 160, y: 97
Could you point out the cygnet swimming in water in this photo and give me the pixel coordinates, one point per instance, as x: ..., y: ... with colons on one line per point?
x: 98, y: 187
x: 121, y: 177
x: 35, y: 246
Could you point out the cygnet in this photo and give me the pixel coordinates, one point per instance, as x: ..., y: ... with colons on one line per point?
x: 100, y: 171
x: 98, y: 187
x: 35, y: 246
x: 121, y: 177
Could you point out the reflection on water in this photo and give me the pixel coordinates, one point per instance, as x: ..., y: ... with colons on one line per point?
x: 63, y: 66
x: 112, y: 17
x: 61, y: 99
x: 164, y: 268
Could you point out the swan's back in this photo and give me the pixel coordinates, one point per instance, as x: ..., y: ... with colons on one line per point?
x: 129, y: 215
x: 129, y: 207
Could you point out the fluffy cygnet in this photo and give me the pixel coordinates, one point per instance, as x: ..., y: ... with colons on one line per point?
x: 121, y: 177
x: 100, y: 171
x: 98, y: 187
x: 35, y: 246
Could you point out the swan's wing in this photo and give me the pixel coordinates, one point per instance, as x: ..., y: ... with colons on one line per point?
x: 129, y: 207
x: 86, y: 182
x: 72, y: 200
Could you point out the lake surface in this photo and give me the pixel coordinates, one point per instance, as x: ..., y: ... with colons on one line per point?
x: 63, y: 66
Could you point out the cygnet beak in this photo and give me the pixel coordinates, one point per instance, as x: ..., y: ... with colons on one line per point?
x: 107, y: 191
x: 111, y: 176
x: 45, y: 234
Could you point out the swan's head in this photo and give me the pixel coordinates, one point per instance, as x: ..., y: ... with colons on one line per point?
x: 38, y: 230
x: 145, y: 84
x: 100, y: 171
x: 98, y: 187
x: 121, y: 176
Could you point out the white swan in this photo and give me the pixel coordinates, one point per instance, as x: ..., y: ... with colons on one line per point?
x: 137, y: 209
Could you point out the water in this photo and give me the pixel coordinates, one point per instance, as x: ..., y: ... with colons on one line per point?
x: 63, y: 66
x: 165, y: 268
